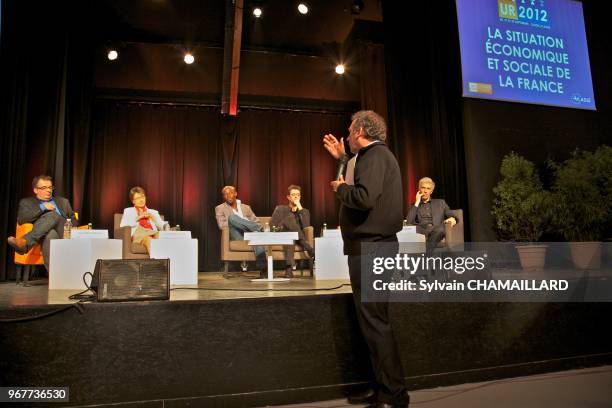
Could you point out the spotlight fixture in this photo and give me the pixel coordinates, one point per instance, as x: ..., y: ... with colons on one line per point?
x: 340, y: 69
x: 303, y: 8
x: 188, y: 58
x: 357, y: 6
x: 112, y: 55
x: 257, y: 12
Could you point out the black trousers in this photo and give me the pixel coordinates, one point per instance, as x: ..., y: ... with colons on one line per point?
x: 289, y: 251
x: 373, y: 318
x: 433, y: 234
x: 48, y: 226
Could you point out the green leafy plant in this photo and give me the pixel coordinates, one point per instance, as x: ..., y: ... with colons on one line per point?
x: 582, y: 193
x: 521, y: 207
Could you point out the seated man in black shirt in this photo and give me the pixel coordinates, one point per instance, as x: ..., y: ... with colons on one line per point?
x: 430, y: 214
x: 292, y: 217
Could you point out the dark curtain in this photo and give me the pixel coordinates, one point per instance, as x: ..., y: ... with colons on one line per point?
x: 372, y: 82
x: 424, y: 96
x: 45, y: 78
x: 183, y: 155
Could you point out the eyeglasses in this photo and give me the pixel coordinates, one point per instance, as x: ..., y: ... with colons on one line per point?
x: 46, y: 188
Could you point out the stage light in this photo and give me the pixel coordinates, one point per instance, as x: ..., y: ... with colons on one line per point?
x: 357, y: 6
x: 340, y: 69
x: 188, y: 58
x: 112, y: 55
x: 302, y: 8
x: 257, y: 12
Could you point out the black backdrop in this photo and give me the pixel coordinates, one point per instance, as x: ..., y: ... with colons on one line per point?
x: 424, y: 93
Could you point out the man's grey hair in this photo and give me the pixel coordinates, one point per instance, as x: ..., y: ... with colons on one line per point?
x: 373, y: 125
x: 427, y: 180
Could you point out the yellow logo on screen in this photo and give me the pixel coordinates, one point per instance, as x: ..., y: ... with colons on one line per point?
x: 479, y: 87
x: 507, y: 9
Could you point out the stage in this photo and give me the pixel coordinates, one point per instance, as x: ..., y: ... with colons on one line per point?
x: 232, y: 342
x: 211, y: 286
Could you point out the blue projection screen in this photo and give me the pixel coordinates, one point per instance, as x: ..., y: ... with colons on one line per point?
x: 530, y: 51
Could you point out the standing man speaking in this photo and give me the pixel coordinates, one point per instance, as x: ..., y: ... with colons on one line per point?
x: 371, y: 211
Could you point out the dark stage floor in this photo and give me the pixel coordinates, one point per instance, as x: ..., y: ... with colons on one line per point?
x: 231, y: 342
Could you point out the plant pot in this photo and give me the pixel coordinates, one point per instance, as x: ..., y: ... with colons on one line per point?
x: 586, y: 255
x: 532, y: 256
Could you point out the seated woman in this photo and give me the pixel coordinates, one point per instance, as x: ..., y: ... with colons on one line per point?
x: 145, y: 222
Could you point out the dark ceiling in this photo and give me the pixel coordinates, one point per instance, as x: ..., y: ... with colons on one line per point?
x: 281, y: 27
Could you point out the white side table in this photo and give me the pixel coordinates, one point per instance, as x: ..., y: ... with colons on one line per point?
x: 410, y: 242
x: 183, y: 255
x: 71, y: 258
x: 268, y: 239
x: 331, y: 263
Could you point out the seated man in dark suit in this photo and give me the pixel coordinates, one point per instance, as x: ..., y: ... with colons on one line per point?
x: 293, y: 217
x: 430, y: 214
x: 47, y: 213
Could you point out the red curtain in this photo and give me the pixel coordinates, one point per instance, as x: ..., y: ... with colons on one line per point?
x: 184, y: 155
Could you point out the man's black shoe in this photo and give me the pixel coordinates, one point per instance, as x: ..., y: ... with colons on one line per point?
x: 263, y: 273
x: 362, y: 397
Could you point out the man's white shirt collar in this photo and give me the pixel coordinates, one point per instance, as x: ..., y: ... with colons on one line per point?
x: 238, y: 210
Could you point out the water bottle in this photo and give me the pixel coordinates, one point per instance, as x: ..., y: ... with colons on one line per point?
x: 89, y: 226
x: 405, y: 223
x: 67, y: 228
x: 266, y: 227
x: 323, y: 229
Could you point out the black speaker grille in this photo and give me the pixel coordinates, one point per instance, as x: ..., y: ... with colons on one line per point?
x: 133, y: 279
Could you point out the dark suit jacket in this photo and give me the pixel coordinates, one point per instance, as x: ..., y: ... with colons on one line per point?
x: 29, y: 210
x: 284, y: 218
x: 371, y: 210
x: 439, y: 212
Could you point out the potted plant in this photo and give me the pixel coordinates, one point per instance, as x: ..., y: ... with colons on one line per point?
x: 583, y: 195
x: 521, y: 209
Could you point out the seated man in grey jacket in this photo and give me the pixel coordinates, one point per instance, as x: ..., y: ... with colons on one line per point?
x: 47, y: 213
x: 240, y: 219
x: 293, y: 217
x: 430, y: 214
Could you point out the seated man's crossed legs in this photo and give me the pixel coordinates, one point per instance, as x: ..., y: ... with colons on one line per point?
x: 237, y: 227
x: 50, y: 221
x: 47, y: 227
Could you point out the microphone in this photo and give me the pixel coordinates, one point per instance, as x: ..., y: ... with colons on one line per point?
x: 341, y: 166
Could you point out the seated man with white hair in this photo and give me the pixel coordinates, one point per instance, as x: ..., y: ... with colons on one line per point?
x: 430, y: 214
